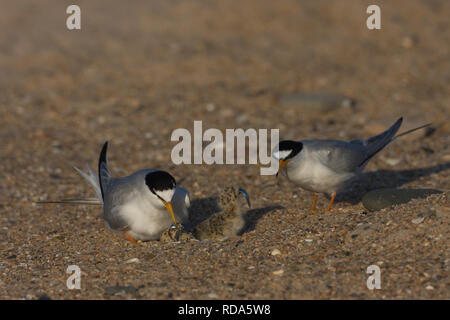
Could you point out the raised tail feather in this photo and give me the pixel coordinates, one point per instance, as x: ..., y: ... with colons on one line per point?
x: 104, y: 176
x: 98, y: 182
x: 377, y: 143
x: 92, y: 178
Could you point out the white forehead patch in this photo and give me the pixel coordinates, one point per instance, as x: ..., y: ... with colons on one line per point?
x: 166, y: 195
x: 281, y: 154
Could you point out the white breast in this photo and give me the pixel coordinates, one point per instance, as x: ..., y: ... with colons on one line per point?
x: 144, y: 220
x: 311, y: 175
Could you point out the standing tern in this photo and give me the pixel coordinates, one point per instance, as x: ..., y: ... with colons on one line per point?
x: 327, y: 166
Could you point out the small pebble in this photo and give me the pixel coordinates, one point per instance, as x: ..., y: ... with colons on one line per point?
x: 429, y: 288
x: 148, y: 135
x: 120, y: 289
x: 392, y: 161
x: 418, y: 220
x: 133, y: 260
x: 275, y: 252
x: 278, y: 272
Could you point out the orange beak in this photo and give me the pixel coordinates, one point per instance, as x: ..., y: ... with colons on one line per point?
x: 169, y: 208
x: 281, y: 165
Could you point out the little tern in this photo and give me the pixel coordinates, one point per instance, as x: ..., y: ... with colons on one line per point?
x: 327, y: 166
x: 140, y: 206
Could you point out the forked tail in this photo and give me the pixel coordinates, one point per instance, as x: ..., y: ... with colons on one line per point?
x: 92, y: 178
x: 98, y: 182
x: 377, y: 143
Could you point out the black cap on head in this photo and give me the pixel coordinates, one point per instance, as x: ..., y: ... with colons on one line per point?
x: 160, y: 181
x: 290, y: 148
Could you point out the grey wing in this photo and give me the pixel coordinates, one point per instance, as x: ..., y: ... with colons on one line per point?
x: 119, y: 192
x: 339, y: 156
x: 116, y: 221
x: 181, y: 203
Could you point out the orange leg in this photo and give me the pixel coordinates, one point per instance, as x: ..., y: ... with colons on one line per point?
x: 314, y: 202
x: 331, y: 201
x: 129, y: 238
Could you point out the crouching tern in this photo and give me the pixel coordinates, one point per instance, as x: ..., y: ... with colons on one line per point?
x: 140, y: 206
x: 327, y: 166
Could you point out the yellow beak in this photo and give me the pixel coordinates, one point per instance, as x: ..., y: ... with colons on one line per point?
x: 169, y: 208
x: 282, y: 164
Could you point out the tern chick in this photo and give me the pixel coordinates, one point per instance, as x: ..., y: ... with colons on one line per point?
x: 229, y: 221
x: 327, y: 166
x: 140, y: 206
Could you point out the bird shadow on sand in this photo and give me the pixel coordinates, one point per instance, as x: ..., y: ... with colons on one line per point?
x: 253, y: 215
x: 202, y: 209
x: 368, y: 181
